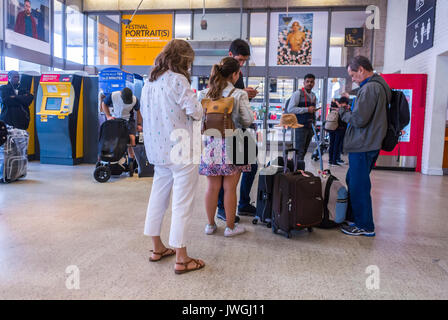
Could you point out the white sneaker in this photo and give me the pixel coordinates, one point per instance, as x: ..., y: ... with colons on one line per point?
x: 209, y: 229
x: 237, y: 229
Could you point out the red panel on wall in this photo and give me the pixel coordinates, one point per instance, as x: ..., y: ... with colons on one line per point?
x: 414, y: 86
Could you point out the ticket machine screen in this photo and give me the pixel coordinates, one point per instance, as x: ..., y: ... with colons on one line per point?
x: 53, y: 104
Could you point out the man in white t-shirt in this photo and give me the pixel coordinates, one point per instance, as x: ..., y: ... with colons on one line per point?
x: 124, y: 103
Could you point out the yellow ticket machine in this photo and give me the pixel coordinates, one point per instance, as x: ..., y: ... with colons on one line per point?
x: 63, y: 119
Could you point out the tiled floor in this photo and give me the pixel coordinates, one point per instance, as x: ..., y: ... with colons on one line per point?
x: 60, y: 217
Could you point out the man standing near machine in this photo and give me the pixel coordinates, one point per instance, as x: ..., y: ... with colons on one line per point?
x: 124, y: 103
x: 239, y: 49
x: 303, y: 105
x: 15, y: 103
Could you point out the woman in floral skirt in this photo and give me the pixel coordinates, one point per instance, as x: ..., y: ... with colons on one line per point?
x: 215, y: 162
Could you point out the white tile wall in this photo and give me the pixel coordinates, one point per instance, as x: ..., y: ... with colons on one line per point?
x: 426, y: 62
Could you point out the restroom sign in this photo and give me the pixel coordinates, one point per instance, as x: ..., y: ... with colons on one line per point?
x: 420, y: 26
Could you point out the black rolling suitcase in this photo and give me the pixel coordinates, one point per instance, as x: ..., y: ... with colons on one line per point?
x: 144, y: 168
x: 14, y: 155
x: 266, y: 182
x: 266, y: 185
x: 297, y: 201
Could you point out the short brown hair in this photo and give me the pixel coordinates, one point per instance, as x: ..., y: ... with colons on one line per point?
x: 176, y: 56
x: 360, y: 61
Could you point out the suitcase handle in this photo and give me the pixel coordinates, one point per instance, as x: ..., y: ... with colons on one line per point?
x: 285, y: 155
x: 303, y: 173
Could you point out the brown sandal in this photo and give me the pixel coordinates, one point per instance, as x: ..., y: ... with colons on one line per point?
x: 185, y: 264
x: 162, y: 254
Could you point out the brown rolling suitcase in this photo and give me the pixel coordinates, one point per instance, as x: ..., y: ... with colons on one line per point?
x: 297, y: 201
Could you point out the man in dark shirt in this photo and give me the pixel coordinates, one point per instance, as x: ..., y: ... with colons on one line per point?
x: 15, y: 103
x: 239, y: 49
x: 25, y: 22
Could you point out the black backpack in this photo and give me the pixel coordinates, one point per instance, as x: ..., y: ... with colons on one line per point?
x: 398, y: 117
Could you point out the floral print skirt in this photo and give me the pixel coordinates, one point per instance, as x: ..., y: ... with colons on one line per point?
x: 215, y: 162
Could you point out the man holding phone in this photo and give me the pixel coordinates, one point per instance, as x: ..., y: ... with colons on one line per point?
x: 303, y: 105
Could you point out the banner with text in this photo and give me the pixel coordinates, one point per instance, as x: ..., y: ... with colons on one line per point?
x: 145, y: 37
x: 107, y: 45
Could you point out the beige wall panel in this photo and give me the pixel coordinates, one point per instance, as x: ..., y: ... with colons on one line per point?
x: 98, y: 5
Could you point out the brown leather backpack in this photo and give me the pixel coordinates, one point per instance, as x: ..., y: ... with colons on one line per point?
x: 218, y: 114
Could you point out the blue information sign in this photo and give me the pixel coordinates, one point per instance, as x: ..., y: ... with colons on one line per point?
x: 420, y: 26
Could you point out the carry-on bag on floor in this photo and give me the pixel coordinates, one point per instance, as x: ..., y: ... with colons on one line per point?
x: 266, y: 186
x: 297, y: 201
x: 335, y: 201
x: 145, y: 169
x: 266, y: 179
x: 14, y: 155
x: 335, y: 197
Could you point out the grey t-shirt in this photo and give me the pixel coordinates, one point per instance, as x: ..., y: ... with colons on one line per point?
x: 120, y: 109
x: 298, y: 98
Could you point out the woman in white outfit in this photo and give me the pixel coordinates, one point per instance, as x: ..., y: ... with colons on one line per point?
x: 170, y: 106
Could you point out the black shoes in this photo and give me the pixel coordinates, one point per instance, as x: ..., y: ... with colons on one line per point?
x: 248, y: 210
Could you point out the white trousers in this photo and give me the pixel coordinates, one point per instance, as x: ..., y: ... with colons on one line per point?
x: 182, y: 179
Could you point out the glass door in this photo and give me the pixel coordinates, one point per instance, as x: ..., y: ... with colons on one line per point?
x: 280, y: 90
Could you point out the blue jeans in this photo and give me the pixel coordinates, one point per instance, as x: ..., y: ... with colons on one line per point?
x: 246, y: 186
x: 359, y: 188
x: 336, y: 138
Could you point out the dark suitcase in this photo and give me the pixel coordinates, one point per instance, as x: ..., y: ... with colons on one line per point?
x: 145, y: 169
x: 266, y: 186
x: 297, y: 201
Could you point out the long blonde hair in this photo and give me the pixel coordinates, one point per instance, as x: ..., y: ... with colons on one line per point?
x: 219, y: 76
x: 176, y: 56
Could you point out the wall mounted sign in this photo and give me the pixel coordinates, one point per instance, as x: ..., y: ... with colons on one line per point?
x: 107, y: 45
x: 145, y: 37
x: 420, y: 26
x: 28, y: 24
x: 354, y: 37
x: 299, y: 41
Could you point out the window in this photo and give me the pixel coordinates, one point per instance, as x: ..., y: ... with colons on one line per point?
x: 92, y: 41
x: 340, y: 21
x: 183, y: 26
x: 220, y: 27
x: 258, y: 26
x: 105, y: 40
x: 75, y: 35
x: 21, y: 65
x: 57, y: 33
x: 213, y: 44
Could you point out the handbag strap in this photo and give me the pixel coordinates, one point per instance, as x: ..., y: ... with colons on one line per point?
x: 231, y: 92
